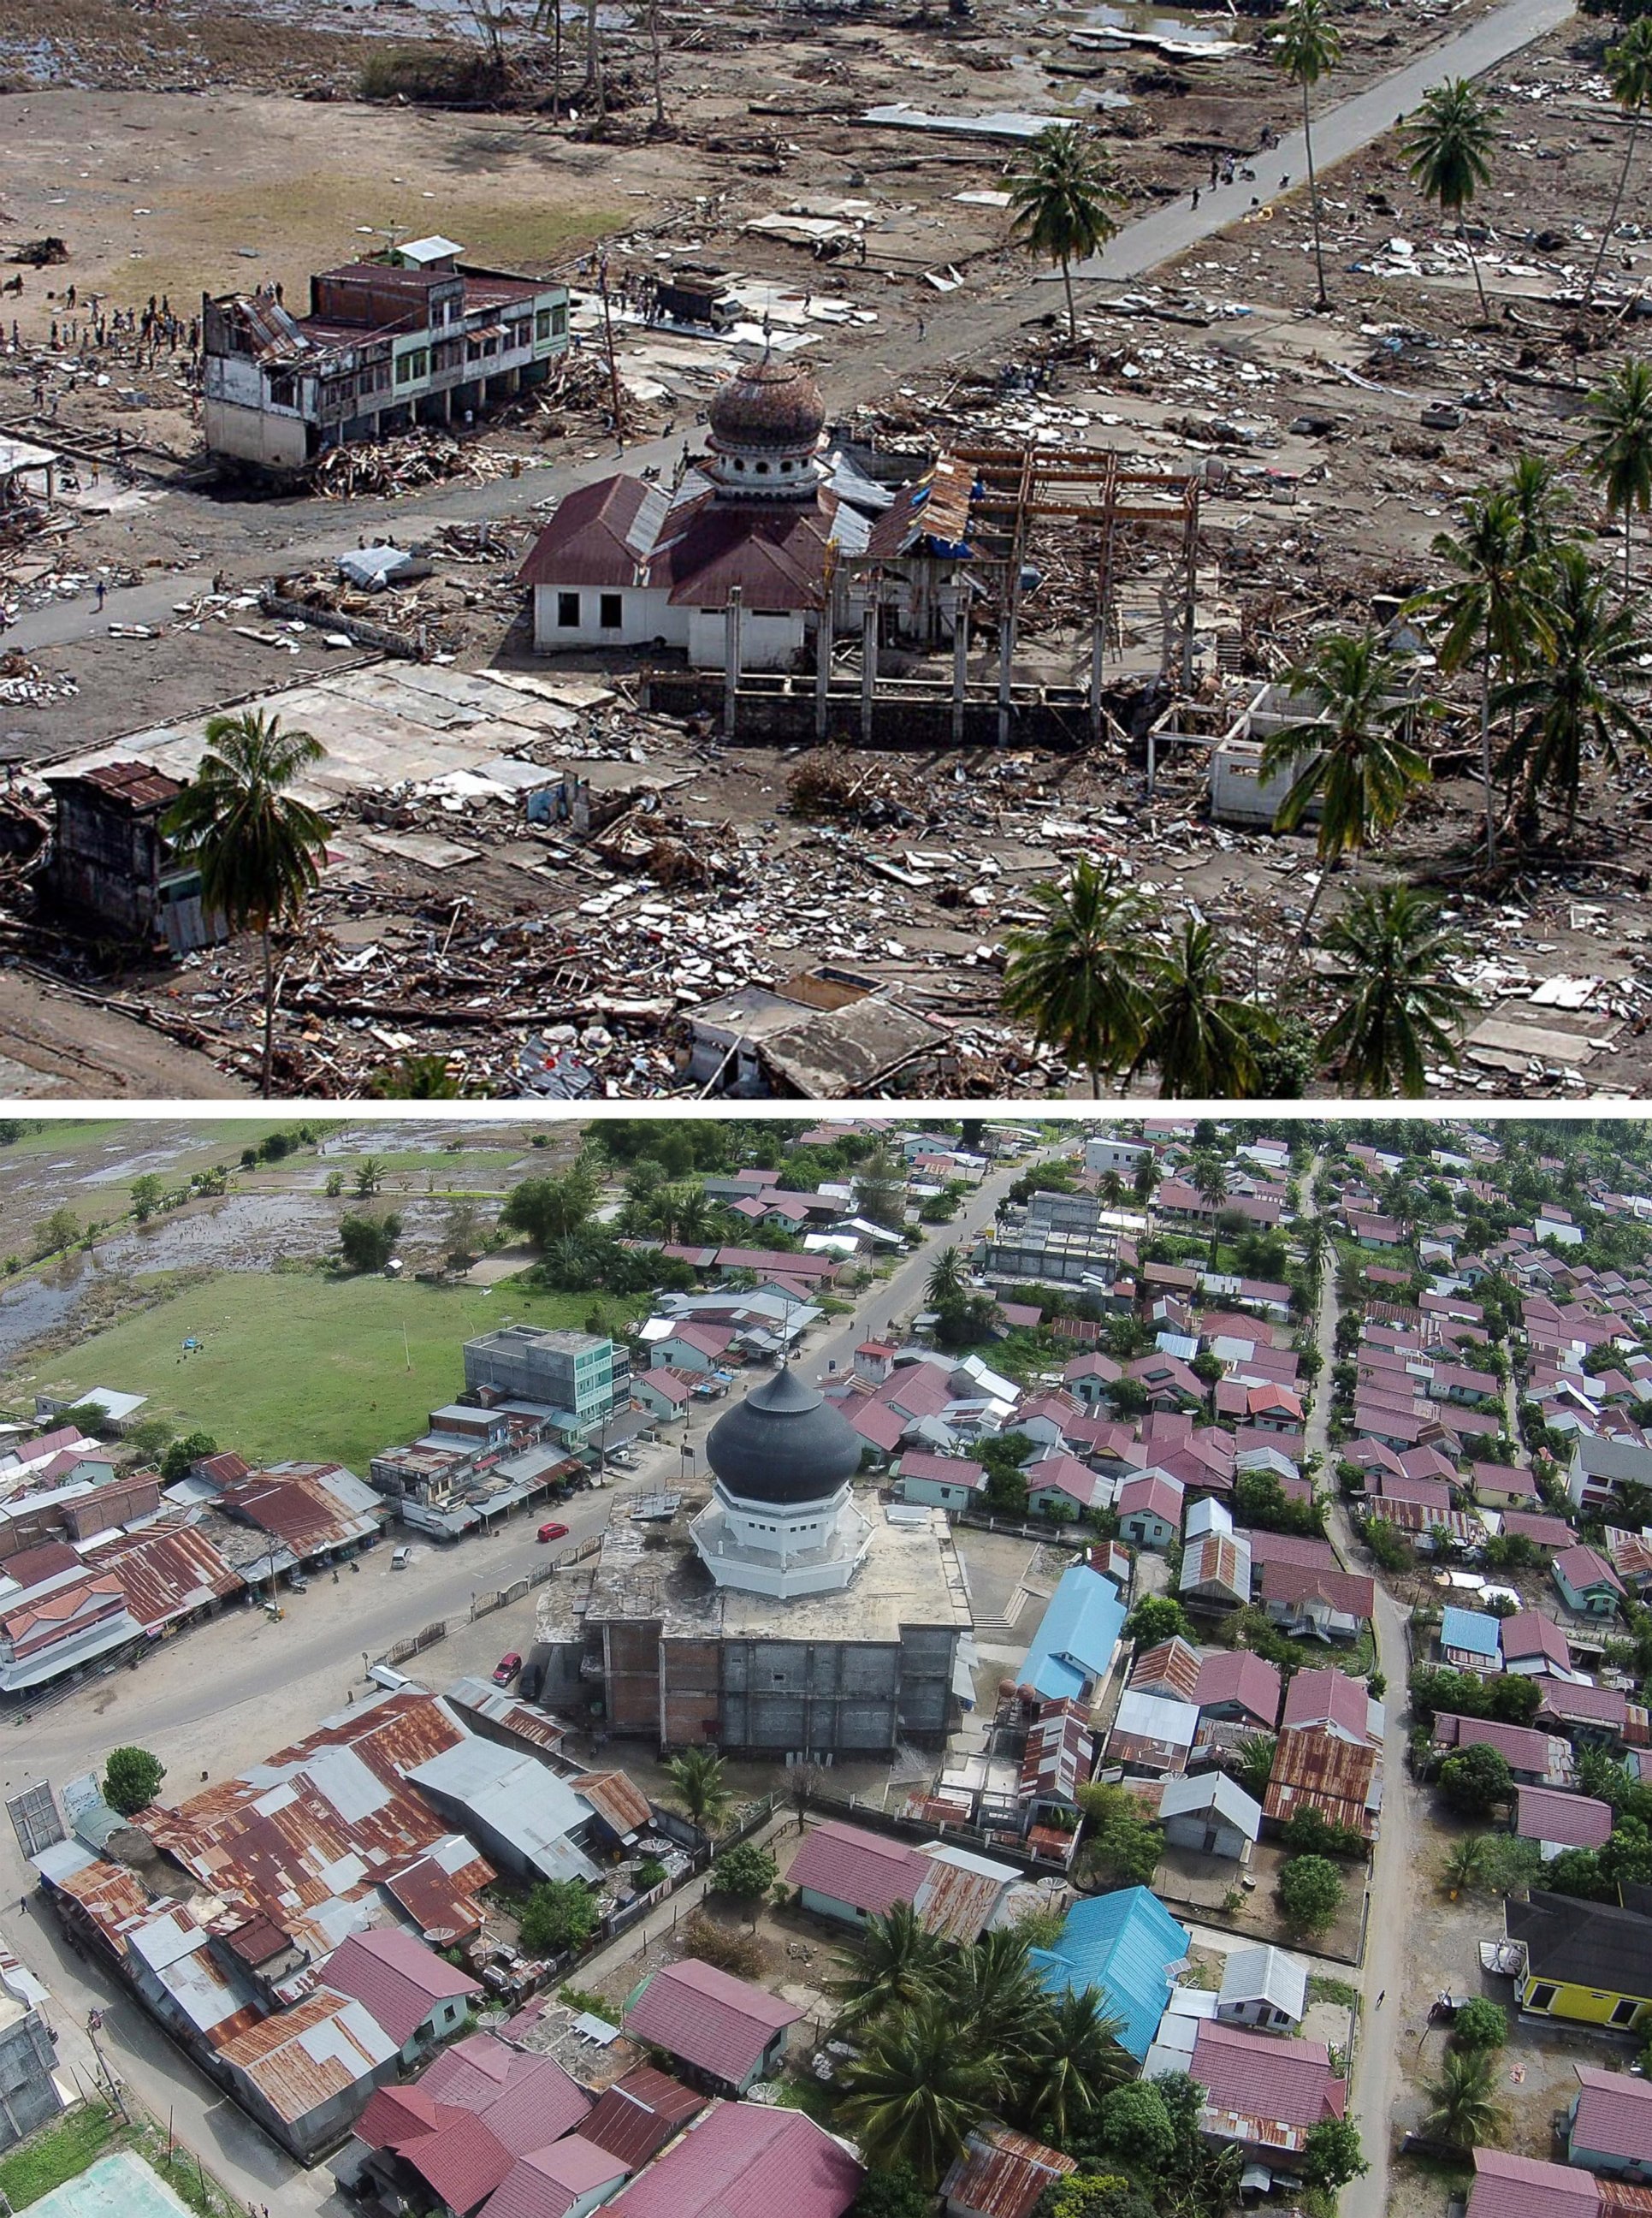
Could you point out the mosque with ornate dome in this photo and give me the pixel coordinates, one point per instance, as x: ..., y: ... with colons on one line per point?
x: 796, y: 1614
x: 628, y: 563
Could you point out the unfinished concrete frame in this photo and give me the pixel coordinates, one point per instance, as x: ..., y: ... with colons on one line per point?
x: 1107, y: 502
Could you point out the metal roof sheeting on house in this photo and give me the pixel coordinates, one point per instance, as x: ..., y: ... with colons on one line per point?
x: 1613, y: 2117
x: 397, y: 1978
x: 1078, y: 1637
x: 1001, y: 2174
x: 1565, y: 1821
x: 305, y: 2057
x: 1127, y: 1944
x: 1526, y: 2187
x: 1263, y: 2090
x: 638, y: 2115
x: 709, y: 2018
x: 868, y: 1871
x: 742, y: 2160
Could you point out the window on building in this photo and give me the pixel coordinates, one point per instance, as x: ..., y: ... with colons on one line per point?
x: 542, y: 324
x: 1624, y: 2013
x: 611, y: 611
x: 559, y: 320
x: 763, y: 470
x: 283, y: 393
x: 567, y: 611
x: 1540, y: 1997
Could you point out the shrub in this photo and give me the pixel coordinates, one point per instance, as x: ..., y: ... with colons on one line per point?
x: 366, y: 1243
x: 1476, y: 1780
x: 1481, y: 2023
x: 740, y: 1954
x: 561, y: 1915
x: 746, y: 1872
x: 1310, y: 1892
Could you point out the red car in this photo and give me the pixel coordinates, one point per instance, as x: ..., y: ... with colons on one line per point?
x: 508, y: 1667
x: 553, y: 1532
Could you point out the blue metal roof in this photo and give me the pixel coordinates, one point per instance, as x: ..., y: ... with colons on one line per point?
x: 1076, y: 1641
x: 1125, y: 1943
x: 1474, y: 1630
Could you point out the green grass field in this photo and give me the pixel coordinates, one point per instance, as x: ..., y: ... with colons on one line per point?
x: 297, y: 1365
x: 57, y: 2151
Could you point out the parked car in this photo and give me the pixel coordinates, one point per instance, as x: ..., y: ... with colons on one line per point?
x: 401, y: 1559
x: 553, y: 1532
x: 509, y: 1665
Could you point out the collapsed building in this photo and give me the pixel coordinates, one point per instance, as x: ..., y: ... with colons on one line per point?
x: 412, y: 336
x: 796, y: 1618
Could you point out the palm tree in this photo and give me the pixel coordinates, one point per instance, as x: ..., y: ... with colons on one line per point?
x: 1488, y: 607
x: 1355, y: 760
x: 259, y: 851
x: 1255, y: 1766
x: 1076, y: 2057
x: 1574, y: 698
x: 945, y: 1282
x: 994, y: 1997
x: 1111, y: 1190
x: 1076, y: 978
x: 697, y: 1776
x: 1618, y: 446
x: 897, y: 1965
x: 1309, y: 47
x: 1199, y: 1035
x: 1539, y: 500
x: 1465, y: 1867
x: 1061, y: 203
x: 1448, y: 150
x: 1390, y: 963
x: 1629, y: 72
x: 1209, y: 1178
x: 916, y: 2090
x: 1464, y: 2109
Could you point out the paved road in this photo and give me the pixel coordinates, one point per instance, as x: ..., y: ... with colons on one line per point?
x: 1344, y: 128
x: 1393, y: 1875
x: 300, y: 535
x: 234, y: 1689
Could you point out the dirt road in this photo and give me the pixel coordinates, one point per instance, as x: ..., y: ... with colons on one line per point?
x: 1376, y: 2071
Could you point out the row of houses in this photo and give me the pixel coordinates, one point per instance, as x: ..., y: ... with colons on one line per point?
x: 293, y: 1927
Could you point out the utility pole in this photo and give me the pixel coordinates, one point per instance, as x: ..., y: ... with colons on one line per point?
x: 607, y: 341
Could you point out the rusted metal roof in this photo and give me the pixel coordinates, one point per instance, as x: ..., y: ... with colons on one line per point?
x: 135, y: 785
x: 1171, y: 1668
x: 1060, y: 1755
x: 1000, y: 2174
x: 1315, y: 1769
x: 638, y: 2115
x: 167, y: 1571
x: 954, y: 1903
x: 306, y: 2056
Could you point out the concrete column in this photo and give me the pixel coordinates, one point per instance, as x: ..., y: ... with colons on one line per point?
x: 447, y: 404
x: 823, y: 668
x: 959, y: 655
x: 731, y: 659
x: 1006, y: 667
x: 869, y: 658
x: 1098, y: 666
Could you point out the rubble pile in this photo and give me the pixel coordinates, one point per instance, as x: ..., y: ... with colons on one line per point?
x: 24, y: 684
x: 386, y: 466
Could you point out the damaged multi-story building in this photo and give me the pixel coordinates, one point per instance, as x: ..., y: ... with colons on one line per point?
x: 798, y: 1616
x: 412, y: 336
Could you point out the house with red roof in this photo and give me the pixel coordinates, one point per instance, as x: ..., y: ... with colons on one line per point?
x: 1507, y: 2186
x: 944, y: 1481
x: 1608, y: 2124
x: 663, y: 1393
x: 1315, y: 1603
x: 1149, y: 1508
x: 1534, y: 1645
x: 1335, y: 1703
x: 1263, y: 2095
x: 417, y: 1997
x: 1587, y: 1583
x: 1235, y: 1686
x: 1559, y: 1821
x: 1534, y: 1757
x: 693, y: 1346
x: 724, y: 2033
x: 1062, y: 1479
x: 639, y: 2113
x: 567, y: 2178
x: 847, y: 1873
x: 744, y: 2161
